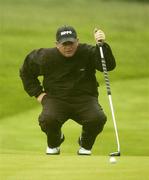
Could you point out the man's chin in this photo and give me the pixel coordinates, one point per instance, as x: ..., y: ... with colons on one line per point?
x: 68, y: 55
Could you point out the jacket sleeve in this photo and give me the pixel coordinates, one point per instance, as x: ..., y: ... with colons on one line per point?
x: 109, y: 58
x: 29, y: 73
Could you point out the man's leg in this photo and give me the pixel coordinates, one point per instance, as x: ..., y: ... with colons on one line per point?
x: 92, y: 125
x: 55, y: 112
x: 92, y: 118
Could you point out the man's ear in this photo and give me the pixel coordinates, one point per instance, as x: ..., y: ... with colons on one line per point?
x: 57, y: 44
x: 77, y: 40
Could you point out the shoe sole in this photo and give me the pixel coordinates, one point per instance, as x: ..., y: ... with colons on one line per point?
x: 53, y: 153
x: 83, y: 154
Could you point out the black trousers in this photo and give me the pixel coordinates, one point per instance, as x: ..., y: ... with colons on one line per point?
x: 84, y: 110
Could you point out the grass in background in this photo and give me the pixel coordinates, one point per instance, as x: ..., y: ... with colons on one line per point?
x: 26, y: 26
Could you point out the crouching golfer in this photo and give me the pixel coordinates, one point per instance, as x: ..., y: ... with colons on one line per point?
x: 69, y: 89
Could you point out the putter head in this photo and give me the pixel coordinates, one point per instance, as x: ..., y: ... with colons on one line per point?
x: 115, y: 153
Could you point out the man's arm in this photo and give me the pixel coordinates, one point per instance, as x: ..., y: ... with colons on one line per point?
x: 109, y: 58
x: 29, y: 73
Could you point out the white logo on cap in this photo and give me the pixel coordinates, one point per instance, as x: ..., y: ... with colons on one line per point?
x: 66, y: 32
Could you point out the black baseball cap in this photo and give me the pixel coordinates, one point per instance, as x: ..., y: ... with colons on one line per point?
x: 65, y: 34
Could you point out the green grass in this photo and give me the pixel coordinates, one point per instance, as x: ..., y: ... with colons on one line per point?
x: 29, y: 24
x: 38, y: 166
x: 26, y: 26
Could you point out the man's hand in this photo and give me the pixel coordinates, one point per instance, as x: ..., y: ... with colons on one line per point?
x: 99, y: 35
x: 39, y: 98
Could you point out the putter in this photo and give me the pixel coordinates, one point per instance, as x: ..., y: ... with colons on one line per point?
x: 105, y: 72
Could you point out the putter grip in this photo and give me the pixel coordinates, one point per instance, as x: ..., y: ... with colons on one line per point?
x: 104, y: 67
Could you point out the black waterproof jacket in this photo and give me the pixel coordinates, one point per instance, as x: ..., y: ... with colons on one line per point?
x: 64, y: 77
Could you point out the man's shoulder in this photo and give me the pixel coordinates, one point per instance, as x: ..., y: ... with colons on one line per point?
x: 87, y: 49
x: 42, y: 51
x: 85, y: 46
x: 41, y: 54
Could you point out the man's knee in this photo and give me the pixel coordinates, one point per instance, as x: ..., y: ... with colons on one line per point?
x: 42, y: 123
x: 96, y: 124
x: 98, y: 119
x: 100, y: 122
x: 102, y: 118
x: 47, y: 122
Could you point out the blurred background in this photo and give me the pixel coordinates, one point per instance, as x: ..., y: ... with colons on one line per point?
x: 29, y: 24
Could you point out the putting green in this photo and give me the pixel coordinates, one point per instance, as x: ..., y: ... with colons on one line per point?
x: 38, y: 166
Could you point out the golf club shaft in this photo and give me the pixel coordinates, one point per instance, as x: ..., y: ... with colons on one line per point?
x: 114, y: 123
x: 109, y: 94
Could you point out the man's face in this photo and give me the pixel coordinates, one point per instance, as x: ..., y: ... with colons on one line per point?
x: 67, y: 49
